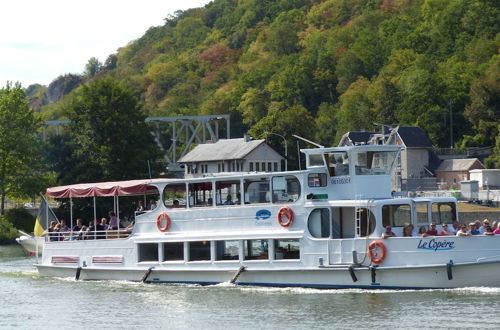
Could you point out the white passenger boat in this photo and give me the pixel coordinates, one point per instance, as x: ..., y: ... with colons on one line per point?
x: 319, y: 227
x: 32, y: 244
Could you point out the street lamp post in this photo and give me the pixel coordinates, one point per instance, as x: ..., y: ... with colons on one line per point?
x: 286, y: 149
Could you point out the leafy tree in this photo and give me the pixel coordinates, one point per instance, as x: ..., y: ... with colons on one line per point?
x: 19, y: 145
x: 7, y: 232
x: 108, y: 136
x: 92, y: 68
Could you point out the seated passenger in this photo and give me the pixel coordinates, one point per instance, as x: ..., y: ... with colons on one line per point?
x: 422, y: 230
x: 489, y: 231
x: 482, y: 228
x: 473, y: 229
x: 152, y: 204
x: 228, y: 200
x: 114, y: 221
x: 497, y: 230
x: 444, y: 231
x: 408, y: 230
x: 341, y: 168
x: 432, y: 230
x: 463, y: 231
x: 238, y: 199
x: 388, y: 232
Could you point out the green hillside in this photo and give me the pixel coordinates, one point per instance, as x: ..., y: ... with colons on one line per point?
x: 317, y: 68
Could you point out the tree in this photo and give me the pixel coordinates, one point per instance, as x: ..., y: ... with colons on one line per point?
x: 93, y: 67
x: 108, y: 136
x: 19, y: 144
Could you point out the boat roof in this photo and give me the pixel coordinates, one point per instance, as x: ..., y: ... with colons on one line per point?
x: 115, y: 188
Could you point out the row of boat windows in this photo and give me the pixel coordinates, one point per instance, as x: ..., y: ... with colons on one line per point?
x: 276, y: 189
x: 340, y: 222
x: 258, y: 249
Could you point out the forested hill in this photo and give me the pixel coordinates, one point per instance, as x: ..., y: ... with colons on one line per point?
x: 321, y: 68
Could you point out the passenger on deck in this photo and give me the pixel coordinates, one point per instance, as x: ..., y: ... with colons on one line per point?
x: 489, y: 231
x: 473, y: 229
x: 152, y: 205
x: 497, y: 230
x: 341, y: 168
x: 455, y: 226
x: 104, y: 223
x: 432, y: 230
x: 52, y: 231
x: 388, y: 232
x: 422, y: 230
x: 228, y: 200
x: 238, y: 199
x: 486, y: 223
x: 114, y: 222
x: 444, y: 231
x: 140, y: 207
x: 408, y: 230
x: 64, y: 231
x: 463, y: 231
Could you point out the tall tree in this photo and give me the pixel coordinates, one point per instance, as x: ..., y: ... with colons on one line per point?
x: 19, y: 144
x: 108, y: 135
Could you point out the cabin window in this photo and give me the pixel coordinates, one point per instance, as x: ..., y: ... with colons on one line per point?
x: 443, y: 212
x: 422, y: 213
x: 286, y: 249
x: 148, y: 252
x: 398, y: 215
x: 374, y: 162
x: 256, y: 249
x: 316, y: 160
x: 199, y: 251
x: 316, y: 180
x: 174, y: 195
x: 227, y: 192
x: 338, y: 163
x: 200, y: 194
x: 286, y: 189
x: 173, y: 251
x: 227, y: 250
x: 257, y: 190
x: 319, y: 223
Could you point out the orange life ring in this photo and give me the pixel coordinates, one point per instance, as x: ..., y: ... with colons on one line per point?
x: 163, y: 217
x: 374, y: 254
x: 287, y: 213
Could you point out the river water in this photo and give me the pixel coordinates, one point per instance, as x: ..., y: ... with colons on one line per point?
x: 28, y: 301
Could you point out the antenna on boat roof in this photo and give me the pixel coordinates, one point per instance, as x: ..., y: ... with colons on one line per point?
x: 308, y: 141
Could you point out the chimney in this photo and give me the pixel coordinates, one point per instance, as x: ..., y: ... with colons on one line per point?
x: 247, y: 138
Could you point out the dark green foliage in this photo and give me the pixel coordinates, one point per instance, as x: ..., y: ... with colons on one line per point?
x: 21, y: 219
x: 7, y: 232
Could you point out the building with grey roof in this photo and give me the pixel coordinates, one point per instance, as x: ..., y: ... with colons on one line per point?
x: 452, y: 171
x: 232, y: 155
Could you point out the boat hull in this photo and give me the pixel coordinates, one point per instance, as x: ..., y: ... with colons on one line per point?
x: 431, y: 277
x: 32, y: 244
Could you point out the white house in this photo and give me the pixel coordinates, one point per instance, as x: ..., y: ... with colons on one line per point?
x: 232, y: 155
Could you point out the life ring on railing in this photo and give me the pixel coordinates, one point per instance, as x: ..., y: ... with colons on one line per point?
x: 376, y: 256
x: 287, y: 213
x: 163, y: 218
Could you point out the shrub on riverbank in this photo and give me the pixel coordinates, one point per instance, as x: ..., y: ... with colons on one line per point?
x: 7, y: 231
x: 21, y: 219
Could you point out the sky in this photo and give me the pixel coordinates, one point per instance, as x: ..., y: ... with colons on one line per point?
x: 41, y: 40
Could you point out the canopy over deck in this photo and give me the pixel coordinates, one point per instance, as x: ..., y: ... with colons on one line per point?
x: 117, y: 188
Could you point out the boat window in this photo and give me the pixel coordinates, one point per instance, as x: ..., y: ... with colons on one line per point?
x: 319, y: 223
x: 367, y: 225
x: 256, y: 249
x: 316, y: 160
x: 316, y: 180
x: 338, y: 163
x: 174, y: 195
x: 422, y: 213
x: 286, y: 249
x: 199, y: 251
x: 173, y: 251
x: 200, y: 194
x: 397, y: 215
x: 257, y: 191
x: 443, y: 212
x: 227, y: 192
x: 374, y: 162
x: 148, y: 252
x: 227, y: 250
x: 286, y: 189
